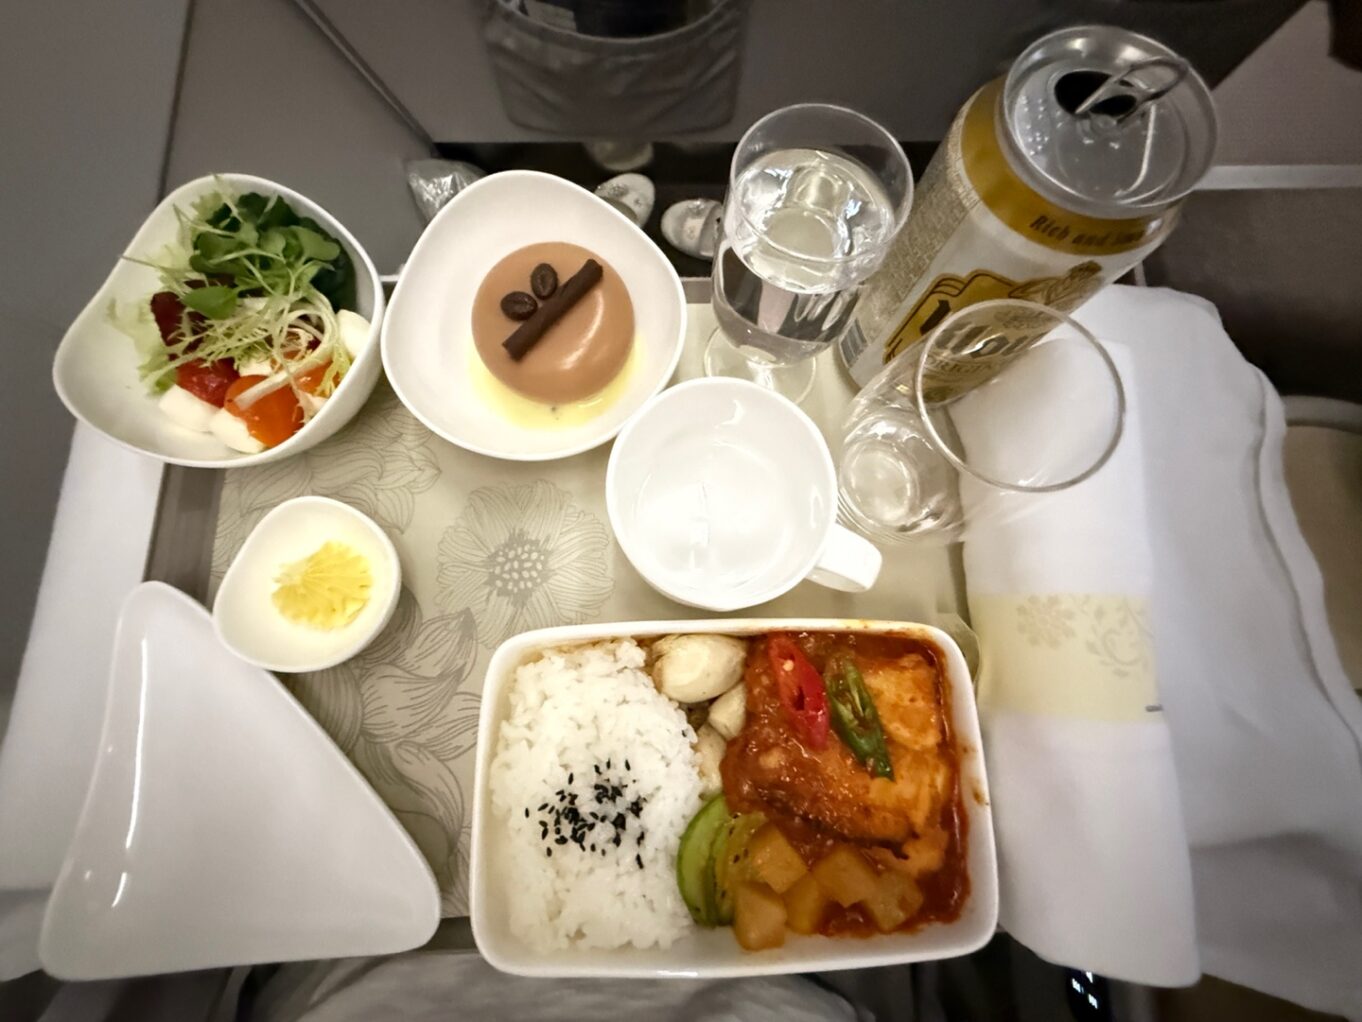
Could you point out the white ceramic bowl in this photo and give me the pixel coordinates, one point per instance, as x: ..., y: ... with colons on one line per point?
x: 244, y: 614
x: 95, y: 371
x: 427, y: 336
x: 715, y: 953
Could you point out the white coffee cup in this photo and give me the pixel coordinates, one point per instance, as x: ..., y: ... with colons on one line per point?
x: 723, y: 495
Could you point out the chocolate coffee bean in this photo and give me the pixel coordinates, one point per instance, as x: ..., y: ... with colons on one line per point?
x: 519, y: 305
x: 543, y: 280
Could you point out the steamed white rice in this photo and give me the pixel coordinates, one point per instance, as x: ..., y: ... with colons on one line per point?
x: 592, y: 713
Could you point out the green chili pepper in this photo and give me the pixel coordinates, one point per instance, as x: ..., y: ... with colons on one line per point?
x: 854, y: 717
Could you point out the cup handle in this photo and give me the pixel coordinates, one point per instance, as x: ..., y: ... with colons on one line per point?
x: 849, y: 563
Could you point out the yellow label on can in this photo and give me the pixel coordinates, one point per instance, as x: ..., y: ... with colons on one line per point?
x: 950, y: 292
x: 1026, y: 211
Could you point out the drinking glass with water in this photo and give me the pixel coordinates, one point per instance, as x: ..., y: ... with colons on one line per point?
x: 816, y: 193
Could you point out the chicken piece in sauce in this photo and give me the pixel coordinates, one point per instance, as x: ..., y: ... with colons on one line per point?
x: 767, y: 767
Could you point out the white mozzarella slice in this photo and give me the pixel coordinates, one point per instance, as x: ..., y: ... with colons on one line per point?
x: 187, y: 410
x: 257, y: 367
x: 233, y: 432
x: 354, y: 331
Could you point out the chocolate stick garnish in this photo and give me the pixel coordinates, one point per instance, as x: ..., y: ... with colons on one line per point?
x: 552, y: 309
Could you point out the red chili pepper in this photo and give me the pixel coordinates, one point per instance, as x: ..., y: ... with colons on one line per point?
x: 802, y: 693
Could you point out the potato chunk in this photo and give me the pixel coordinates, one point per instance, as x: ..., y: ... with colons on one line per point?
x: 775, y: 860
x: 758, y: 917
x: 845, y: 875
x: 806, y: 903
x: 895, y: 899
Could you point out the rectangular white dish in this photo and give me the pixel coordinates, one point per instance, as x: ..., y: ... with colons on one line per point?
x: 715, y: 953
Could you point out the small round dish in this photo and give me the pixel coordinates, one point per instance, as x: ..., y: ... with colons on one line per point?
x: 427, y: 336
x: 244, y: 614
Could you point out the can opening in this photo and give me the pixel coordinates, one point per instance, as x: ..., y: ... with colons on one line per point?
x: 1073, y: 89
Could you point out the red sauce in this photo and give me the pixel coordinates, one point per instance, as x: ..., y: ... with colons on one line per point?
x: 822, y: 798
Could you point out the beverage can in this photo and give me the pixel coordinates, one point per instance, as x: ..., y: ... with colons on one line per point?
x: 1052, y: 182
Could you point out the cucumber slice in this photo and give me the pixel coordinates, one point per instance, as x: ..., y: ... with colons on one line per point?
x: 723, y: 897
x: 694, y: 861
x: 731, y: 862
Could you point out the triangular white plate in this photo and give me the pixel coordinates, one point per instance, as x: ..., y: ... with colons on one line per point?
x: 222, y: 826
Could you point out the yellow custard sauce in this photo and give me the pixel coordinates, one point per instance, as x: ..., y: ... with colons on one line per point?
x: 531, y: 414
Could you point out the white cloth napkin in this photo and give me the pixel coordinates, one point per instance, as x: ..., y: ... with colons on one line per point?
x: 1092, y: 853
x: 1266, y: 732
x: 97, y: 553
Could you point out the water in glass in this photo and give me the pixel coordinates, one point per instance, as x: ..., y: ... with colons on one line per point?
x: 802, y: 228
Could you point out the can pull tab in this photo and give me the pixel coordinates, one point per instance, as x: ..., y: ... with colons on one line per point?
x: 1126, y: 92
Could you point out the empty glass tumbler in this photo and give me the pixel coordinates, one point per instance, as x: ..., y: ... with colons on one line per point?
x: 1003, y: 401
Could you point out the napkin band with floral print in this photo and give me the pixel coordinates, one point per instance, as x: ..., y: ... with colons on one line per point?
x: 1083, y: 655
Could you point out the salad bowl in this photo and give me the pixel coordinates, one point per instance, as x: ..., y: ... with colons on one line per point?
x: 96, y: 367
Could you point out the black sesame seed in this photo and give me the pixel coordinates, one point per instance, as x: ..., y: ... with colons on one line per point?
x: 548, y: 853
x: 639, y: 860
x: 560, y: 841
x: 627, y: 766
x: 543, y: 806
x: 607, y: 764
x: 570, y: 776
x: 527, y: 812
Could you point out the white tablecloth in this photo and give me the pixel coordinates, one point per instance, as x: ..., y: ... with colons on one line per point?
x: 97, y: 553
